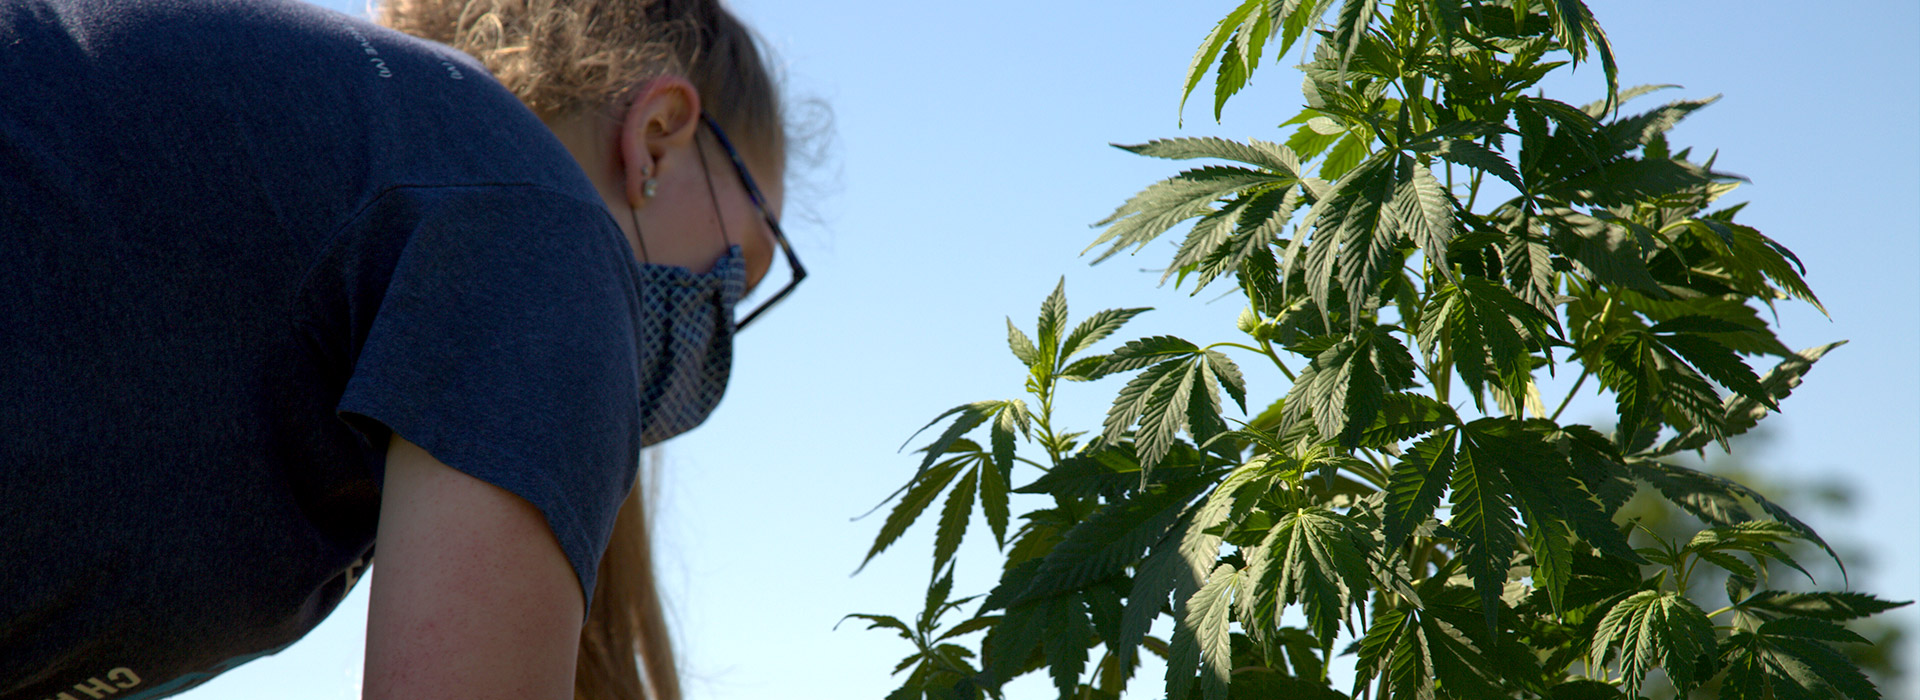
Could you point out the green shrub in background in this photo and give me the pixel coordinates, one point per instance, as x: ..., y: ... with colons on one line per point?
x: 1409, y: 487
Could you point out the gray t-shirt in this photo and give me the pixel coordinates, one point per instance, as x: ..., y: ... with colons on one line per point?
x: 240, y: 242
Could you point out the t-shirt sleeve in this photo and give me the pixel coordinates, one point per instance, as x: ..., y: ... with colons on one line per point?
x: 503, y: 344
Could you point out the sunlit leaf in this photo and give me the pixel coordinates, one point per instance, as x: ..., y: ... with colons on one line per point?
x: 1096, y: 328
x: 1653, y: 629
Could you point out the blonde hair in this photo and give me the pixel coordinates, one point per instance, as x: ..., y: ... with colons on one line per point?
x: 563, y: 57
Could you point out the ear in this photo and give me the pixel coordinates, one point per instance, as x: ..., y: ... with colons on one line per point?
x: 664, y: 115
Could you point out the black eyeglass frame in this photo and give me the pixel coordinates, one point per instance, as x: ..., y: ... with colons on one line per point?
x: 759, y: 202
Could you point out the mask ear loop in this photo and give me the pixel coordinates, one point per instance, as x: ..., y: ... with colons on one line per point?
x: 713, y: 194
x: 640, y: 236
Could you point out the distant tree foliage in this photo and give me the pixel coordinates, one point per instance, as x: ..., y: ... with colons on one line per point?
x: 1425, y: 240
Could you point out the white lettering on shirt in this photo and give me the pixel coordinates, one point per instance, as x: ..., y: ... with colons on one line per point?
x: 373, y: 54
x: 122, y: 678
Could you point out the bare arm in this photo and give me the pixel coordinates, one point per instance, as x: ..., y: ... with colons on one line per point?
x: 472, y: 597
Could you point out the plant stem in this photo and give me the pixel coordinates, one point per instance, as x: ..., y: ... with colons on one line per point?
x: 1473, y: 189
x: 1045, y: 419
x: 1265, y: 349
x: 1584, y: 371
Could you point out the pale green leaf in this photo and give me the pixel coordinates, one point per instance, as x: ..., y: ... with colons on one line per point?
x: 1207, y: 614
x: 1164, y: 204
x: 1021, y: 346
x: 1211, y: 45
x: 1096, y: 328
x: 1425, y: 212
x: 1260, y: 154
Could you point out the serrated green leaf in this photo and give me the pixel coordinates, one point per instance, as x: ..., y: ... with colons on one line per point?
x: 1606, y: 251
x: 1346, y: 384
x: 1743, y: 413
x: 1164, y: 411
x: 1574, y: 25
x: 1377, y: 647
x: 1096, y: 328
x: 1067, y: 639
x: 1487, y: 331
x: 1147, y: 351
x: 1425, y: 212
x: 1627, y: 180
x: 970, y: 626
x: 1316, y: 561
x: 1718, y: 361
x: 1134, y: 398
x: 1153, y: 579
x: 1788, y: 659
x: 1654, y: 629
x: 1230, y: 378
x: 1551, y: 540
x: 1210, y: 46
x: 1818, y: 605
x: 1053, y: 319
x: 1528, y: 262
x: 1085, y: 369
x: 1106, y: 472
x: 1473, y: 155
x: 1022, y: 347
x: 1260, y: 154
x: 1259, y: 277
x: 1483, y: 512
x: 1731, y: 564
x: 1355, y: 234
x: 1597, y: 464
x: 1753, y: 256
x: 955, y: 515
x: 1238, y: 61
x: 1417, y: 483
x: 1716, y: 500
x: 1355, y: 17
x: 937, y: 594
x: 1628, y: 133
x: 1207, y: 235
x: 922, y: 492
x: 1012, y: 642
x: 994, y: 502
x: 1759, y: 538
x: 970, y: 416
x: 1112, y: 538
x: 1207, y: 615
x: 1649, y: 379
x: 1405, y: 416
x: 1164, y: 204
x: 1183, y: 654
x: 1461, y: 667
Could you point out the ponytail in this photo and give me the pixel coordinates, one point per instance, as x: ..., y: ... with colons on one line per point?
x: 627, y: 619
x: 561, y: 57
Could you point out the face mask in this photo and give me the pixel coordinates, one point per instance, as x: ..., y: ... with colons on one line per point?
x: 686, y: 342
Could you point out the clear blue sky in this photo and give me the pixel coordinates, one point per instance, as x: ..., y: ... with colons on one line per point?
x: 968, y: 158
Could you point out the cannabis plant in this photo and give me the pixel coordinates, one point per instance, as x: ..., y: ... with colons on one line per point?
x: 1431, y: 235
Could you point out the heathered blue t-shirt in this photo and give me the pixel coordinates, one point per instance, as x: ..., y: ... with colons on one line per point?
x: 240, y: 242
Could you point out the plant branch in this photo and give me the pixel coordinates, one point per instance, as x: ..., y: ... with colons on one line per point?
x: 1584, y: 371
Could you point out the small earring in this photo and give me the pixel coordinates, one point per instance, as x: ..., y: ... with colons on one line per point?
x: 649, y: 187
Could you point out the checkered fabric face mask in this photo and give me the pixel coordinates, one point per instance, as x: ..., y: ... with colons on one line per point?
x: 686, y: 342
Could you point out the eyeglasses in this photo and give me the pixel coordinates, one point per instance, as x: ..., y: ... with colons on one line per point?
x: 793, y: 271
